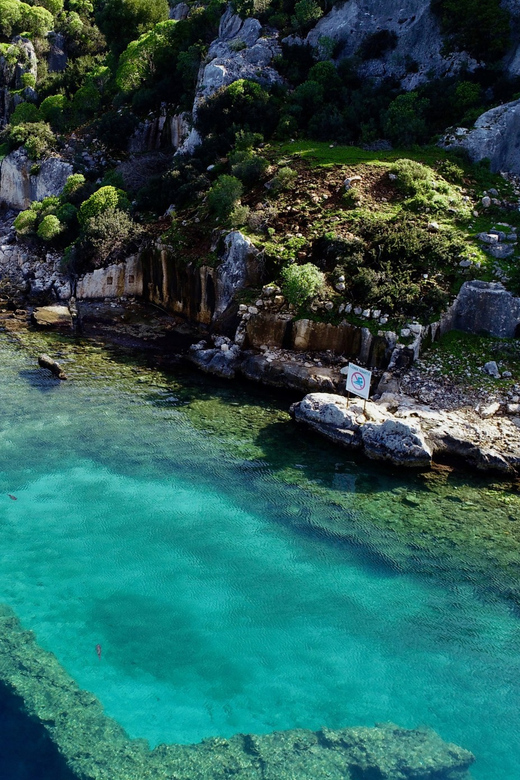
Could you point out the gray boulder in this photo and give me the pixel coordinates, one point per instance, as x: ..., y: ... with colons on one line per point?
x: 18, y: 187
x: 485, y: 307
x: 11, y: 76
x: 494, y: 136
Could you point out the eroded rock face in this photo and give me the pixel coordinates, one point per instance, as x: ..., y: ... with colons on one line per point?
x: 11, y: 76
x: 495, y: 136
x: 239, y: 52
x: 418, y: 34
x: 239, y: 268
x: 18, y: 186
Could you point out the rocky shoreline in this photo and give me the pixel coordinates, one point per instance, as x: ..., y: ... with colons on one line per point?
x: 413, y: 419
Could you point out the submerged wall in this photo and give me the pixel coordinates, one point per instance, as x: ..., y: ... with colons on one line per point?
x: 95, y: 747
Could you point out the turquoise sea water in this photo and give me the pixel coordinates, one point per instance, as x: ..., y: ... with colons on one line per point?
x: 237, y: 575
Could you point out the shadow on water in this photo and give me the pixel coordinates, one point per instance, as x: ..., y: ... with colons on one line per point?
x: 40, y: 379
x: 26, y: 750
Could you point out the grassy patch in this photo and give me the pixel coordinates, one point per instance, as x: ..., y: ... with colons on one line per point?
x: 461, y: 356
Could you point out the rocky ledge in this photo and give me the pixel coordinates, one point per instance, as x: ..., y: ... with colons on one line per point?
x: 401, y: 431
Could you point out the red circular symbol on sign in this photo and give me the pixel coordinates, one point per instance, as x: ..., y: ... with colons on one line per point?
x: 358, y: 380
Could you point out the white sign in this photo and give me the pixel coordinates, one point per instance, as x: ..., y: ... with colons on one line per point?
x: 358, y: 380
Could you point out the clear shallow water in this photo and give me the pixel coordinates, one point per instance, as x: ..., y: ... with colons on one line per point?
x: 231, y: 589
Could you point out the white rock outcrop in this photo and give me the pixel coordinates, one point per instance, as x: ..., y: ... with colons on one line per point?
x: 494, y: 136
x: 399, y: 430
x: 239, y: 268
x: 113, y: 281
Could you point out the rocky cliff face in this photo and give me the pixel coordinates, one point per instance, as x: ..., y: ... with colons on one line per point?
x: 241, y: 51
x: 18, y: 61
x: 417, y: 55
x: 22, y: 182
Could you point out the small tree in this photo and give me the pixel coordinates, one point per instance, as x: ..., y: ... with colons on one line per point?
x: 301, y: 282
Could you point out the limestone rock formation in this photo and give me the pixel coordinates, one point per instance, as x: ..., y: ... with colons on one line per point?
x: 240, y: 267
x: 484, y: 307
x: 418, y: 41
x: 494, y: 136
x: 239, y: 52
x: 11, y: 75
x: 18, y: 186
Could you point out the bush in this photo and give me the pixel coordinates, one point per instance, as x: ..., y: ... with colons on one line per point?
x: 284, y: 179
x: 109, y: 232
x: 480, y: 27
x: 23, y: 113
x: 224, y: 195
x: 103, y: 200
x: 49, y: 228
x: 425, y: 190
x: 301, y: 282
x: 37, y: 137
x: 25, y: 222
x: 405, y: 123
x: 53, y: 110
x: 123, y: 21
x: 248, y: 166
x: 306, y: 12
x: 73, y: 187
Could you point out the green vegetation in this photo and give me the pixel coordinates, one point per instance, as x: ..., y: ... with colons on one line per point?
x: 301, y: 283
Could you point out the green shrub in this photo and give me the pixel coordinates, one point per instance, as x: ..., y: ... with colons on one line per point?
x: 109, y: 232
x: 103, y: 200
x: 25, y: 222
x: 54, y: 110
x: 10, y: 16
x: 405, y: 122
x: 480, y: 27
x: 306, y: 12
x: 36, y: 20
x: 74, y: 184
x: 23, y: 113
x: 224, y: 195
x: 284, y: 179
x: 301, y: 282
x: 28, y: 79
x: 248, y: 166
x: 49, y: 228
x: 123, y: 21
x: 37, y: 137
x: 67, y: 214
x: 425, y: 190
